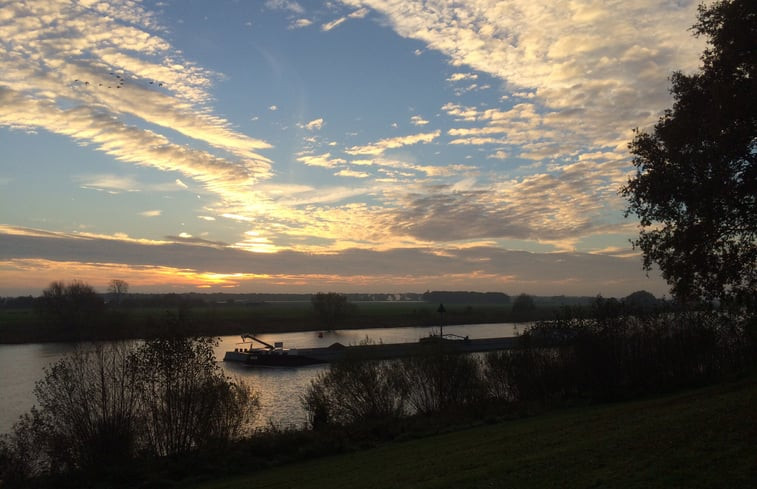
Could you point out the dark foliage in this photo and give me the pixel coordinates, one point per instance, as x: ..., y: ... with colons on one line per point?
x: 330, y: 307
x: 461, y: 297
x: 523, y: 308
x: 695, y: 190
x: 355, y: 391
x: 642, y: 302
x: 74, y: 304
x: 439, y: 381
x: 614, y: 350
x: 611, y: 355
x: 111, y: 409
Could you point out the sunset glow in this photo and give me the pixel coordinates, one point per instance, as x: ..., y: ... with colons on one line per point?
x: 358, y: 145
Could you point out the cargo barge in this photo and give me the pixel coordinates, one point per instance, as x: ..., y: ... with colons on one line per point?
x: 277, y: 356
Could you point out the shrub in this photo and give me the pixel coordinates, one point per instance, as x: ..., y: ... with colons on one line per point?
x: 352, y: 391
x: 617, y: 356
x: 100, y: 409
x: 185, y: 399
x: 438, y: 380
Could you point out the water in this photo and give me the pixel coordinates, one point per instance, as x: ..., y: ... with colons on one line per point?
x: 279, y: 389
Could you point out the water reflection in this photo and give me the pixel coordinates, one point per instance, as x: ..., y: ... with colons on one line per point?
x: 280, y: 389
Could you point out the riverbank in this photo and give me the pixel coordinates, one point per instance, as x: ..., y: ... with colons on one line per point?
x: 28, y: 326
x: 699, y: 438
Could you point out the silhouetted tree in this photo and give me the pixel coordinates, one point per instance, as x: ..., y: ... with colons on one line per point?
x: 523, y: 307
x: 118, y: 288
x: 695, y: 189
x: 73, y: 304
x: 640, y: 301
x: 185, y: 399
x: 330, y: 307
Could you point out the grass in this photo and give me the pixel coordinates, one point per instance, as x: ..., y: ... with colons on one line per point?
x: 703, y: 438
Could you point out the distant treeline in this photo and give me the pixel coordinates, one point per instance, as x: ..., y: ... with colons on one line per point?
x: 460, y: 297
x: 201, y: 299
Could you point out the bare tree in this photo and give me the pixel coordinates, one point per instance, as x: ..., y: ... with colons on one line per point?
x: 118, y: 288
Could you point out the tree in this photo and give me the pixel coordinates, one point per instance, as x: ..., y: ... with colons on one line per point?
x: 186, y: 402
x: 74, y: 304
x: 330, y: 307
x: 695, y: 188
x: 85, y: 417
x: 118, y: 288
x: 641, y: 301
x: 523, y: 307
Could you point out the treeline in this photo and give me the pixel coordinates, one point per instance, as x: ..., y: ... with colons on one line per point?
x: 472, y: 298
x: 205, y: 299
x: 196, y: 299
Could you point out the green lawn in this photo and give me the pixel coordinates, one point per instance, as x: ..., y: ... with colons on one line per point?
x: 705, y: 438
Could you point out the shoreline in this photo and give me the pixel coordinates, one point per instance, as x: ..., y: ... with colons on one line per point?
x: 47, y: 333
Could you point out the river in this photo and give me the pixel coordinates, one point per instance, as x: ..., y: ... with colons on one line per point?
x: 279, y: 389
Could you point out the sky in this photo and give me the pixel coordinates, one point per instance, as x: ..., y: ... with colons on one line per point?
x: 348, y: 146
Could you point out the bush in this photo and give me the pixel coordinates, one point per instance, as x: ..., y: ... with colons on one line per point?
x: 618, y: 356
x: 101, y: 409
x: 438, y: 380
x: 529, y: 374
x: 352, y: 391
x: 185, y: 399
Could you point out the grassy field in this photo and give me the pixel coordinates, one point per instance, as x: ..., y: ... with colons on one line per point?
x: 704, y: 438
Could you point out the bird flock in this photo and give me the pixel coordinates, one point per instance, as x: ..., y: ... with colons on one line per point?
x: 117, y: 81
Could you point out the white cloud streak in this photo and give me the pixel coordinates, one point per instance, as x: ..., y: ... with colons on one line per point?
x: 25, y: 253
x: 393, y: 143
x: 593, y: 70
x: 80, y: 70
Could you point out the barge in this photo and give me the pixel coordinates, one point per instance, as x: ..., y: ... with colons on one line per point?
x: 269, y: 355
x: 277, y: 356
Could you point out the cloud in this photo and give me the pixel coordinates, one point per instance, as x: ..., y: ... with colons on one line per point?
x: 590, y: 71
x: 287, y: 5
x: 352, y: 173
x: 152, y: 213
x: 129, y: 143
x: 357, y: 14
x: 315, y: 124
x: 417, y: 120
x: 559, y: 207
x: 456, y: 77
x: 300, y: 23
x: 181, y: 184
x: 273, y: 108
x: 28, y: 258
x: 116, y: 184
x: 324, y: 160
x: 393, y: 143
x: 109, y: 183
x: 334, y: 23
x: 84, y: 72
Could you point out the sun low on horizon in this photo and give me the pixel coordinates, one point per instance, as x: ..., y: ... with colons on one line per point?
x: 351, y: 145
